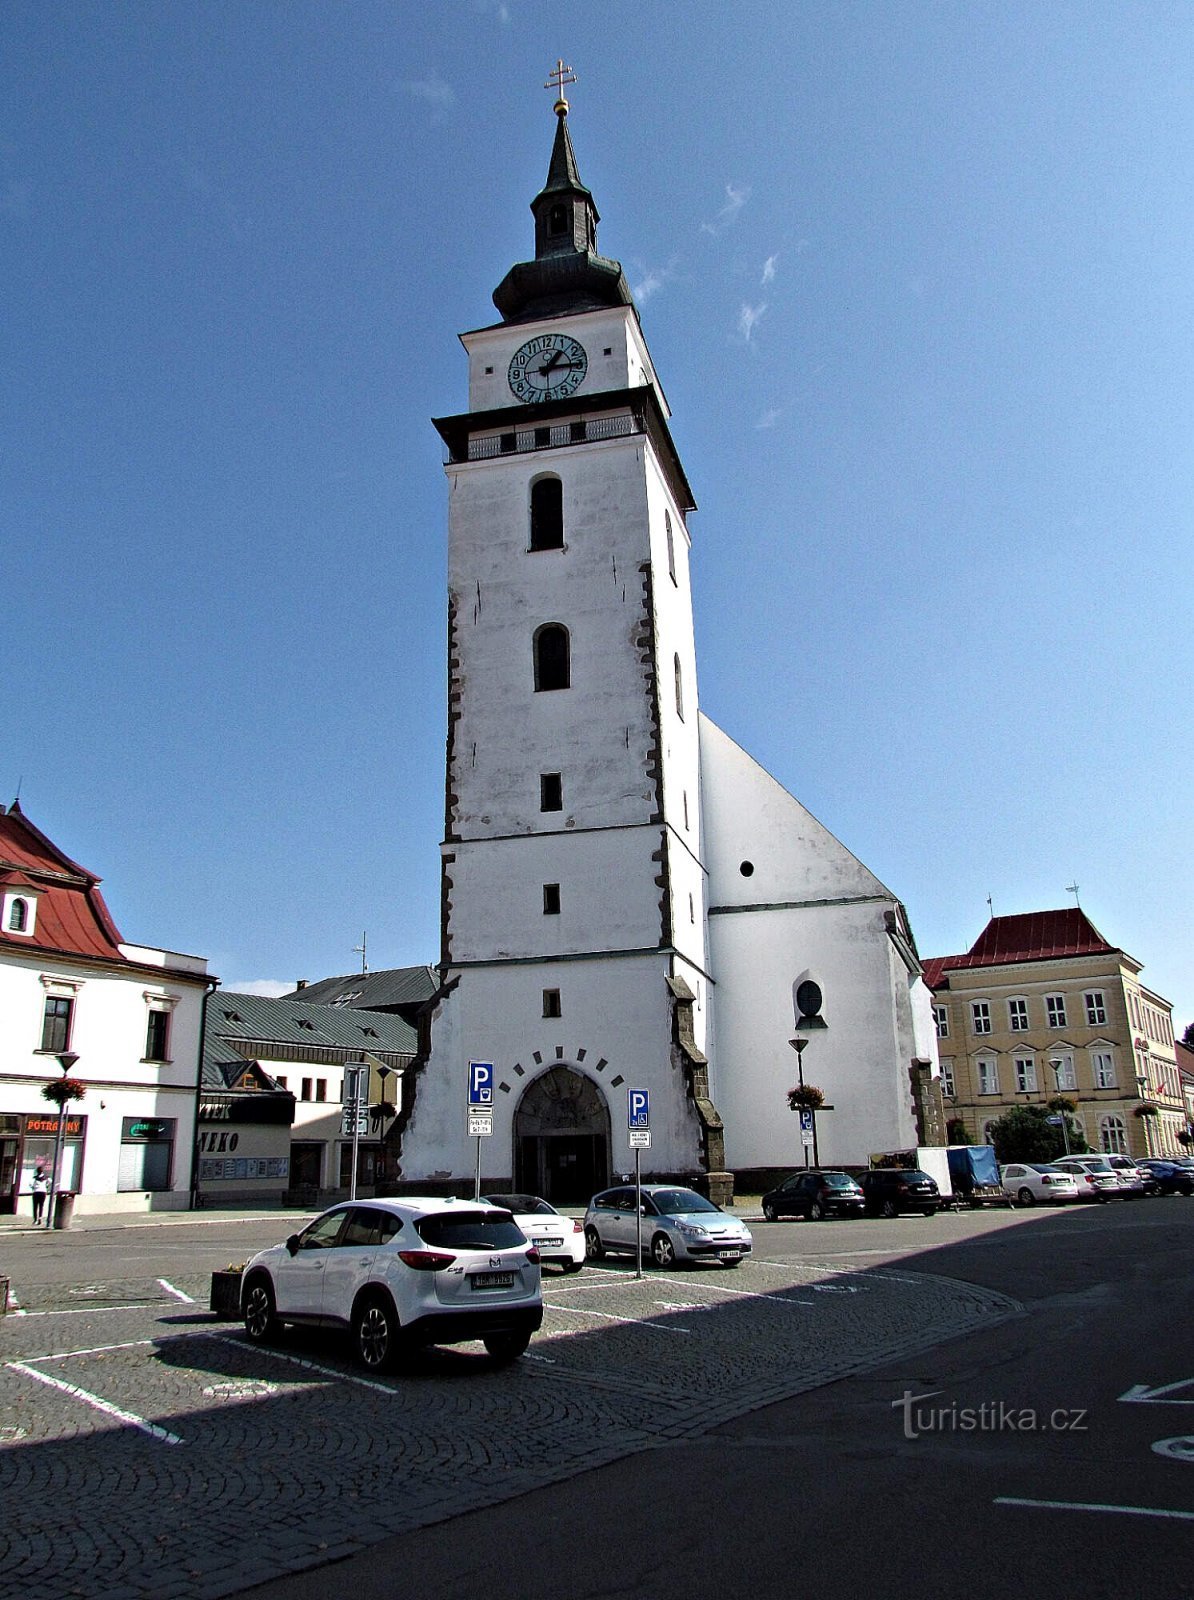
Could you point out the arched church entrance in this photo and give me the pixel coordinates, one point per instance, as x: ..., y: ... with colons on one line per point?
x: 562, y: 1138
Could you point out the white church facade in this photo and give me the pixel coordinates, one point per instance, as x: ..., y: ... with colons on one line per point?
x: 628, y: 900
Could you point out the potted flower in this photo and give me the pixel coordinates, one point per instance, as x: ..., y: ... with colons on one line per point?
x: 805, y: 1097
x: 225, y: 1292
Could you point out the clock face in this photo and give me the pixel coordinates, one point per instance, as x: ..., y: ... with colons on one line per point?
x: 550, y: 366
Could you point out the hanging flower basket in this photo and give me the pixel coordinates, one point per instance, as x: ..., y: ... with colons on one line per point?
x: 63, y: 1090
x: 805, y: 1097
x: 1185, y: 1137
x: 1059, y: 1102
x: 1147, y: 1110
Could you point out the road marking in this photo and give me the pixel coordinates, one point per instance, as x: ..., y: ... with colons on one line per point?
x: 311, y: 1366
x: 782, y: 1295
x: 178, y: 1294
x: 1179, y: 1449
x: 96, y: 1350
x: 1081, y: 1505
x: 93, y: 1311
x: 15, y: 1308
x: 129, y: 1418
x: 608, y: 1316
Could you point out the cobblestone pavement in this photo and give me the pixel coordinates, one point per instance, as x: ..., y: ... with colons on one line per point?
x: 148, y: 1450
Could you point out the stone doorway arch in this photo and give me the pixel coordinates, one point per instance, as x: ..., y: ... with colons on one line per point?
x: 562, y: 1138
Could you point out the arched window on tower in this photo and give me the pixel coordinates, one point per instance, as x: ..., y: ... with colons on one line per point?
x: 547, y: 514
x: 557, y: 221
x: 679, y: 688
x: 18, y: 916
x: 552, y: 657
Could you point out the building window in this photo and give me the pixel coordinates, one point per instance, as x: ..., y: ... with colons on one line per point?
x: 157, y: 1036
x: 321, y: 1088
x: 306, y: 1094
x: 679, y: 688
x: 551, y: 791
x: 941, y: 1018
x: 547, y: 511
x: 947, y: 1077
x: 1055, y: 1010
x: 1017, y: 1015
x: 671, y: 547
x: 1096, y: 1008
x: 1103, y: 1069
x: 691, y: 910
x: 557, y: 220
x: 280, y: 1081
x: 980, y: 1016
x: 1025, y: 1075
x: 551, y: 1003
x: 1113, y: 1135
x: 146, y: 1154
x: 56, y: 1024
x: 552, y: 663
x: 988, y: 1075
x: 18, y: 916
x: 551, y: 899
x: 1062, y: 1070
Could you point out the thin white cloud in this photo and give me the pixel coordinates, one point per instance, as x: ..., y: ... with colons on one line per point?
x: 735, y: 200
x: 749, y: 318
x: 432, y: 89
x: 769, y: 266
x: 269, y: 988
x: 501, y: 11
x: 769, y: 418
x: 652, y: 280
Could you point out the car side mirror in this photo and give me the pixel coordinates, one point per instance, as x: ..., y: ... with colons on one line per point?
x: 293, y: 1244
x: 642, y: 1211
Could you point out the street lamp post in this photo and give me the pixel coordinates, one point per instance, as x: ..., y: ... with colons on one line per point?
x: 800, y: 1045
x: 1055, y: 1068
x: 66, y: 1061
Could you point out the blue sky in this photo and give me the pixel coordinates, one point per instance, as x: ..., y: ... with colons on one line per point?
x: 917, y: 280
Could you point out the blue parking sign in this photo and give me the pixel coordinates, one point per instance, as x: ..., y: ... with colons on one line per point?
x: 480, y: 1083
x: 806, y: 1121
x: 638, y: 1108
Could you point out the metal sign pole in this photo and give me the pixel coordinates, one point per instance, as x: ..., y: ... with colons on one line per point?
x: 638, y: 1211
x: 356, y: 1145
x: 477, y: 1178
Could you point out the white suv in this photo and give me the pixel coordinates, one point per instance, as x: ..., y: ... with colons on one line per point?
x: 400, y: 1273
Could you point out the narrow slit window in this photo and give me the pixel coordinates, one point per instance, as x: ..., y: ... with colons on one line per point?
x: 551, y: 1003
x: 551, y: 899
x: 671, y: 546
x: 679, y: 688
x: 551, y: 791
x: 553, y: 666
x: 547, y: 510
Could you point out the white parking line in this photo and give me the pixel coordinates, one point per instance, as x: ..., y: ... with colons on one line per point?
x: 311, y: 1366
x: 783, y: 1295
x: 129, y: 1418
x: 1081, y: 1505
x: 177, y: 1293
x: 95, y: 1350
x: 92, y: 1311
x: 608, y: 1316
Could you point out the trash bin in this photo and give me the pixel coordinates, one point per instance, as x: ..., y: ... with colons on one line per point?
x: 64, y: 1209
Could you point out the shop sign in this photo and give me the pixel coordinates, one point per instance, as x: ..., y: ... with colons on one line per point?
x: 36, y: 1123
x: 147, y: 1128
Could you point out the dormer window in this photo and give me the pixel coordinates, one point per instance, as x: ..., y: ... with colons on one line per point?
x: 20, y: 913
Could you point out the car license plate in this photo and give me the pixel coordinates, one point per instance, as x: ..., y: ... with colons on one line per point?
x: 728, y: 1255
x: 491, y: 1280
x: 551, y: 1243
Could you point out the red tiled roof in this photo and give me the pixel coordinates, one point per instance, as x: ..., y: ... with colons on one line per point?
x: 71, y: 915
x: 1032, y: 936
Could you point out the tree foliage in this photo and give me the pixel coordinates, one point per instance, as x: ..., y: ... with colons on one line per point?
x: 1024, y: 1133
x: 1188, y: 1036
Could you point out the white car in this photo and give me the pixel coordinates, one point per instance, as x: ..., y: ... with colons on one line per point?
x: 1030, y: 1181
x: 401, y: 1273
x: 1096, y: 1179
x: 676, y: 1225
x: 559, y: 1240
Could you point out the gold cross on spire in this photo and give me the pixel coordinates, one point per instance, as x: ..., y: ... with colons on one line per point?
x: 556, y: 79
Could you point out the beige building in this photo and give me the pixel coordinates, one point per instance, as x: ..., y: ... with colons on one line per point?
x: 1042, y: 1005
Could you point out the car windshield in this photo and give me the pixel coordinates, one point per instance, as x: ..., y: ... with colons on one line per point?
x: 837, y: 1180
x: 527, y: 1205
x: 680, y: 1202
x: 1098, y: 1166
x: 470, y: 1230
x: 1047, y: 1166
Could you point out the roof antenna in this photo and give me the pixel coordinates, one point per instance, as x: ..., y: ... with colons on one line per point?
x: 990, y: 906
x: 1072, y: 888
x: 359, y: 950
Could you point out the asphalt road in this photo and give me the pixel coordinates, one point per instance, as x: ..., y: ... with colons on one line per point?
x: 851, y: 1491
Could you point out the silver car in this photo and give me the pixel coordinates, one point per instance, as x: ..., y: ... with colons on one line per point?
x: 677, y: 1225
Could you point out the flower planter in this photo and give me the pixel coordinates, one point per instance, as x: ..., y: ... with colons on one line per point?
x: 225, y: 1294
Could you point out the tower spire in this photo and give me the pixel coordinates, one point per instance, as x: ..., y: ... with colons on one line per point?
x: 556, y: 79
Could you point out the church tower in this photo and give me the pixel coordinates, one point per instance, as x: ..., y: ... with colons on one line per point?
x: 574, y: 932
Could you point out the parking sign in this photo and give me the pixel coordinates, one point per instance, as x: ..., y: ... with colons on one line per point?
x: 806, y: 1121
x: 480, y: 1083
x: 638, y: 1108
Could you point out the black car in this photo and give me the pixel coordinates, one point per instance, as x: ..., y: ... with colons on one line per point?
x: 888, y: 1191
x: 1167, y: 1177
x: 814, y: 1194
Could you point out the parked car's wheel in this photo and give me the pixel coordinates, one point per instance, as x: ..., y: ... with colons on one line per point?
x: 769, y: 1211
x: 816, y: 1212
x: 260, y: 1311
x: 594, y: 1249
x: 1026, y: 1197
x: 930, y: 1211
x: 890, y: 1209
x: 503, y: 1348
x: 375, y: 1333
x: 663, y: 1251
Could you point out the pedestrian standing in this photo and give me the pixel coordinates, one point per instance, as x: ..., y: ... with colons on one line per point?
x: 39, y: 1185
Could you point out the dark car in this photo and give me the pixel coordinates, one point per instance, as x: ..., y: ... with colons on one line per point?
x: 1167, y: 1176
x: 814, y: 1194
x: 888, y: 1191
